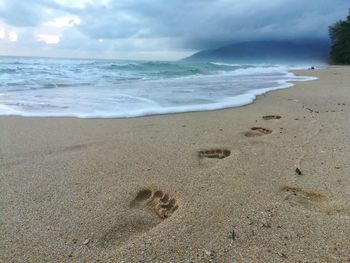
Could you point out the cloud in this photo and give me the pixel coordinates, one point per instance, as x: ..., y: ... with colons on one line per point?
x: 22, y: 13
x: 203, y: 23
x: 7, y: 34
x: 2, y: 34
x: 63, y: 21
x: 13, y: 36
x: 81, y: 3
x: 156, y: 26
x: 49, y: 39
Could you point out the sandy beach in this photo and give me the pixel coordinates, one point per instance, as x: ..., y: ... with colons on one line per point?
x: 267, y: 182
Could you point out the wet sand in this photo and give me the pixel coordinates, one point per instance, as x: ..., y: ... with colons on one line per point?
x: 221, y: 186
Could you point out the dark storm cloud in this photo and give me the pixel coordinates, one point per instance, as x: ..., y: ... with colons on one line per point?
x: 190, y: 24
x: 201, y: 24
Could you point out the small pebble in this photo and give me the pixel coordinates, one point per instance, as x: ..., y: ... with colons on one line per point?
x: 87, y: 241
x: 282, y: 255
x: 233, y: 235
x: 298, y: 171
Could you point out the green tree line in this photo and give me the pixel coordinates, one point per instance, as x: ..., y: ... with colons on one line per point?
x: 340, y: 39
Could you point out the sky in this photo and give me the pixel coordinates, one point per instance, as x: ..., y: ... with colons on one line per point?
x: 156, y: 29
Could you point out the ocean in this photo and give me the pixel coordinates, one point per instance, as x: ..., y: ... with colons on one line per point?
x: 121, y: 89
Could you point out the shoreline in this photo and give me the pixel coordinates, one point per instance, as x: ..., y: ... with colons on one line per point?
x: 197, y: 186
x: 226, y: 103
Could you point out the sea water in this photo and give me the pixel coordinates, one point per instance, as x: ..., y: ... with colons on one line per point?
x: 112, y: 88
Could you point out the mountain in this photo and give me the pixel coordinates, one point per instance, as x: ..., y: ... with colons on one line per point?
x: 267, y: 51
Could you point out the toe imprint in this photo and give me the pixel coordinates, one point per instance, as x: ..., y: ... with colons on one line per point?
x: 262, y: 130
x: 215, y: 153
x: 258, y: 131
x: 271, y: 117
x: 158, y: 201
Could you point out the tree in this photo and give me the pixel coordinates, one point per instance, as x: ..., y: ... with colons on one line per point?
x: 340, y: 37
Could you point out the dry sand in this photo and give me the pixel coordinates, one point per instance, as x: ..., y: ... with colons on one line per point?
x: 194, y: 187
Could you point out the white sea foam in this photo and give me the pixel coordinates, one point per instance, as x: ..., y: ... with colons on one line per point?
x: 105, y: 89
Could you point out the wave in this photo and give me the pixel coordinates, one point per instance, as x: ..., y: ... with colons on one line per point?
x: 121, y: 89
x: 153, y: 107
x: 225, y: 64
x: 156, y: 69
x: 260, y: 70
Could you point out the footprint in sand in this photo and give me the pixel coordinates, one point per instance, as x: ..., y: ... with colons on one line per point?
x: 271, y: 117
x: 158, y: 201
x: 214, y: 154
x: 297, y: 196
x: 314, y: 201
x: 257, y: 131
x: 148, y: 209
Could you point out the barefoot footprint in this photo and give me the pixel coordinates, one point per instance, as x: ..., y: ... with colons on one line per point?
x: 215, y: 154
x: 310, y: 200
x: 314, y: 201
x: 258, y: 131
x: 271, y: 117
x: 158, y: 201
x: 149, y: 208
x: 297, y: 191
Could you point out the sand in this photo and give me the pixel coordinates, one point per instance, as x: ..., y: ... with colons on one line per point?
x: 194, y: 187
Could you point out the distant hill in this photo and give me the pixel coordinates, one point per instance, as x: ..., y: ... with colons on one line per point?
x: 267, y: 51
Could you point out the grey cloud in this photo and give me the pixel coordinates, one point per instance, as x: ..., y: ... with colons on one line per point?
x: 185, y: 24
x: 24, y: 13
x: 203, y: 23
